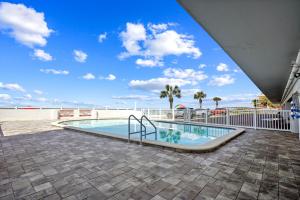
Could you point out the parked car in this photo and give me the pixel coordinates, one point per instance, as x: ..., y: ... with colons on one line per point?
x: 218, y: 111
x: 179, y: 113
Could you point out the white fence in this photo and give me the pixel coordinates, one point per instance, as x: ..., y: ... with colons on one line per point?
x: 21, y: 114
x: 271, y: 119
x: 155, y: 114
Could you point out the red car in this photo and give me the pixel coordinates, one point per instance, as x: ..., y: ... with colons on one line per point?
x: 218, y: 111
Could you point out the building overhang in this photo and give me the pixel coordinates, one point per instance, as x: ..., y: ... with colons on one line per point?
x: 262, y: 37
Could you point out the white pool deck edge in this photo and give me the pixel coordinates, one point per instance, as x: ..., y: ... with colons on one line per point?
x: 207, y: 147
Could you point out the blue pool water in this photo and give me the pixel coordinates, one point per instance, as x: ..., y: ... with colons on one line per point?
x: 184, y: 134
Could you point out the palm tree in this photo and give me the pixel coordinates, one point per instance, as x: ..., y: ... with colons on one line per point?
x: 170, y: 92
x: 217, y: 99
x: 200, y: 96
x: 254, y: 101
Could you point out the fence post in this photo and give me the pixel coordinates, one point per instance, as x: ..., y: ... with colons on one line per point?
x: 76, y: 113
x: 227, y: 117
x: 148, y: 114
x: 173, y: 115
x: 189, y: 115
x: 254, y: 118
x: 206, y: 116
x: 160, y: 113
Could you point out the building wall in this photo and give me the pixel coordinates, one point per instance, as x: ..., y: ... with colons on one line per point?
x: 293, y: 96
x: 102, y: 114
x: 20, y: 115
x: 52, y: 114
x: 295, y: 89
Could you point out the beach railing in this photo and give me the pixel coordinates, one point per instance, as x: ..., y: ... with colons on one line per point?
x: 270, y: 119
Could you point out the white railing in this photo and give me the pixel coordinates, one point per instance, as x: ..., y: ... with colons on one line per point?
x: 270, y: 119
x: 155, y: 114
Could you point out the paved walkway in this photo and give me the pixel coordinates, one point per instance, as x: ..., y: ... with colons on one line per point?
x: 25, y: 127
x: 61, y: 164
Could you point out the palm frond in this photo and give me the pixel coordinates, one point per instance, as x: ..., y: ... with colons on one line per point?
x: 178, y: 95
x: 199, y: 95
x: 176, y: 89
x: 177, y: 92
x: 196, y: 96
x: 163, y: 94
x: 217, y: 99
x: 168, y: 87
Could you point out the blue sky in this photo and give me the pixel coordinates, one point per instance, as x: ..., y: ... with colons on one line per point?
x: 111, y: 53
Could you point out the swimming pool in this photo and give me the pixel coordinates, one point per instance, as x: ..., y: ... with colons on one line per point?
x: 170, y: 134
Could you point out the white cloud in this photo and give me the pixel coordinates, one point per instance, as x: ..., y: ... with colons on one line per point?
x: 102, y: 37
x: 130, y: 39
x: 171, y: 43
x: 12, y: 87
x: 38, y: 92
x: 189, y: 74
x: 5, y: 97
x: 148, y: 62
x: 134, y: 97
x: 54, y: 71
x: 155, y: 28
x: 189, y: 92
x: 172, y: 76
x: 157, y: 83
x: 28, y: 96
x: 24, y: 24
x: 240, y: 97
x: 110, y: 77
x: 222, y: 80
x: 42, y: 55
x: 157, y: 44
x: 89, y: 76
x: 201, y: 66
x: 41, y: 99
x: 222, y: 67
x: 80, y: 56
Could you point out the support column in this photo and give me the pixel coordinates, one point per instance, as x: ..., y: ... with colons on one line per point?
x: 294, y: 120
x: 254, y: 118
x: 298, y: 119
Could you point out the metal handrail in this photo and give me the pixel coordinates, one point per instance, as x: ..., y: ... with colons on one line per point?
x: 144, y: 116
x: 141, y: 128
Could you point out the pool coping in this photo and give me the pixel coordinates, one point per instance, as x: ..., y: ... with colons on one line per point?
x: 206, y: 147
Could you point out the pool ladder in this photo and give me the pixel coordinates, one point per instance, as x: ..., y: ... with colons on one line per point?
x: 143, y: 128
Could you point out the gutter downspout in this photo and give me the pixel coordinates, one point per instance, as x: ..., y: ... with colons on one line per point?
x: 292, y: 79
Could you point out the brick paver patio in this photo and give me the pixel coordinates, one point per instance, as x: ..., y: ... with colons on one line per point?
x: 59, y: 164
